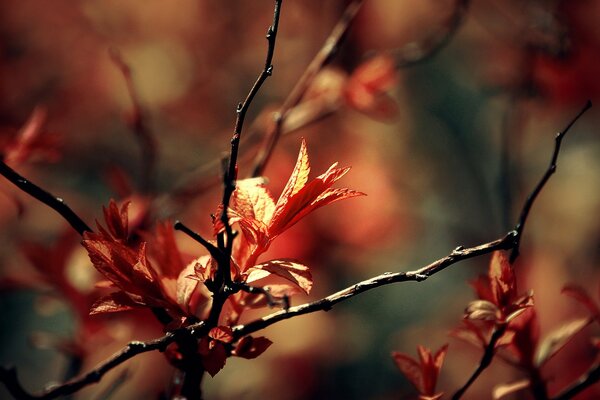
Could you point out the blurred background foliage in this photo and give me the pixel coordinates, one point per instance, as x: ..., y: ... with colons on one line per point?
x: 472, y: 134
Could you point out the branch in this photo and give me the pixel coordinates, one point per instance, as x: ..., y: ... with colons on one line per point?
x: 230, y: 174
x: 212, y: 249
x: 510, y: 241
x: 56, y: 203
x: 486, y: 360
x: 387, y: 278
x: 536, y: 191
x: 8, y: 376
x: 138, y: 122
x: 586, y: 380
x: 322, y: 58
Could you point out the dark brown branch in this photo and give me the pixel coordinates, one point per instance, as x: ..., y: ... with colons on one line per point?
x: 538, y: 188
x: 486, y: 360
x: 56, y: 203
x: 387, y: 278
x: 323, y: 57
x: 230, y: 174
x: 8, y: 376
x: 212, y: 249
x: 586, y: 380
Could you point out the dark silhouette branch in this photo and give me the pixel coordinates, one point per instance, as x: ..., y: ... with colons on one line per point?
x: 536, y: 191
x: 486, y: 359
x: 590, y: 377
x: 324, y: 56
x: 55, y: 203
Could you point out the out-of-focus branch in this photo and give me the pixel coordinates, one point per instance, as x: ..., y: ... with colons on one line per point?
x: 8, y: 376
x: 56, y: 203
x: 433, y: 45
x: 325, y: 54
x: 590, y: 377
x: 138, y: 123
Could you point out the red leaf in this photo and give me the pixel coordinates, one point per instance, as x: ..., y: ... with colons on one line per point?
x: 288, y: 269
x: 366, y: 88
x: 114, y: 302
x: 214, y: 355
x: 249, y: 347
x: 221, y: 333
x: 410, y: 368
x: 117, y: 220
x: 165, y: 250
x: 31, y: 141
x: 423, y: 374
x: 502, y: 279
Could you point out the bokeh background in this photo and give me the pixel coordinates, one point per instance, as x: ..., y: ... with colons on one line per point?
x: 447, y: 153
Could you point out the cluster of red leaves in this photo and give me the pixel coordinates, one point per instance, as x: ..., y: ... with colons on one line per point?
x: 126, y: 266
x: 499, y: 308
x: 151, y: 273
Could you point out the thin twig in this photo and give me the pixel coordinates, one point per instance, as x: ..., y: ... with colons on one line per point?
x: 486, y: 360
x: 212, y: 249
x: 230, y: 174
x: 56, y: 203
x: 538, y: 188
x: 324, y: 56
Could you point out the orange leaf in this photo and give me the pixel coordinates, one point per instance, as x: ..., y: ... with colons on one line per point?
x: 502, y: 279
